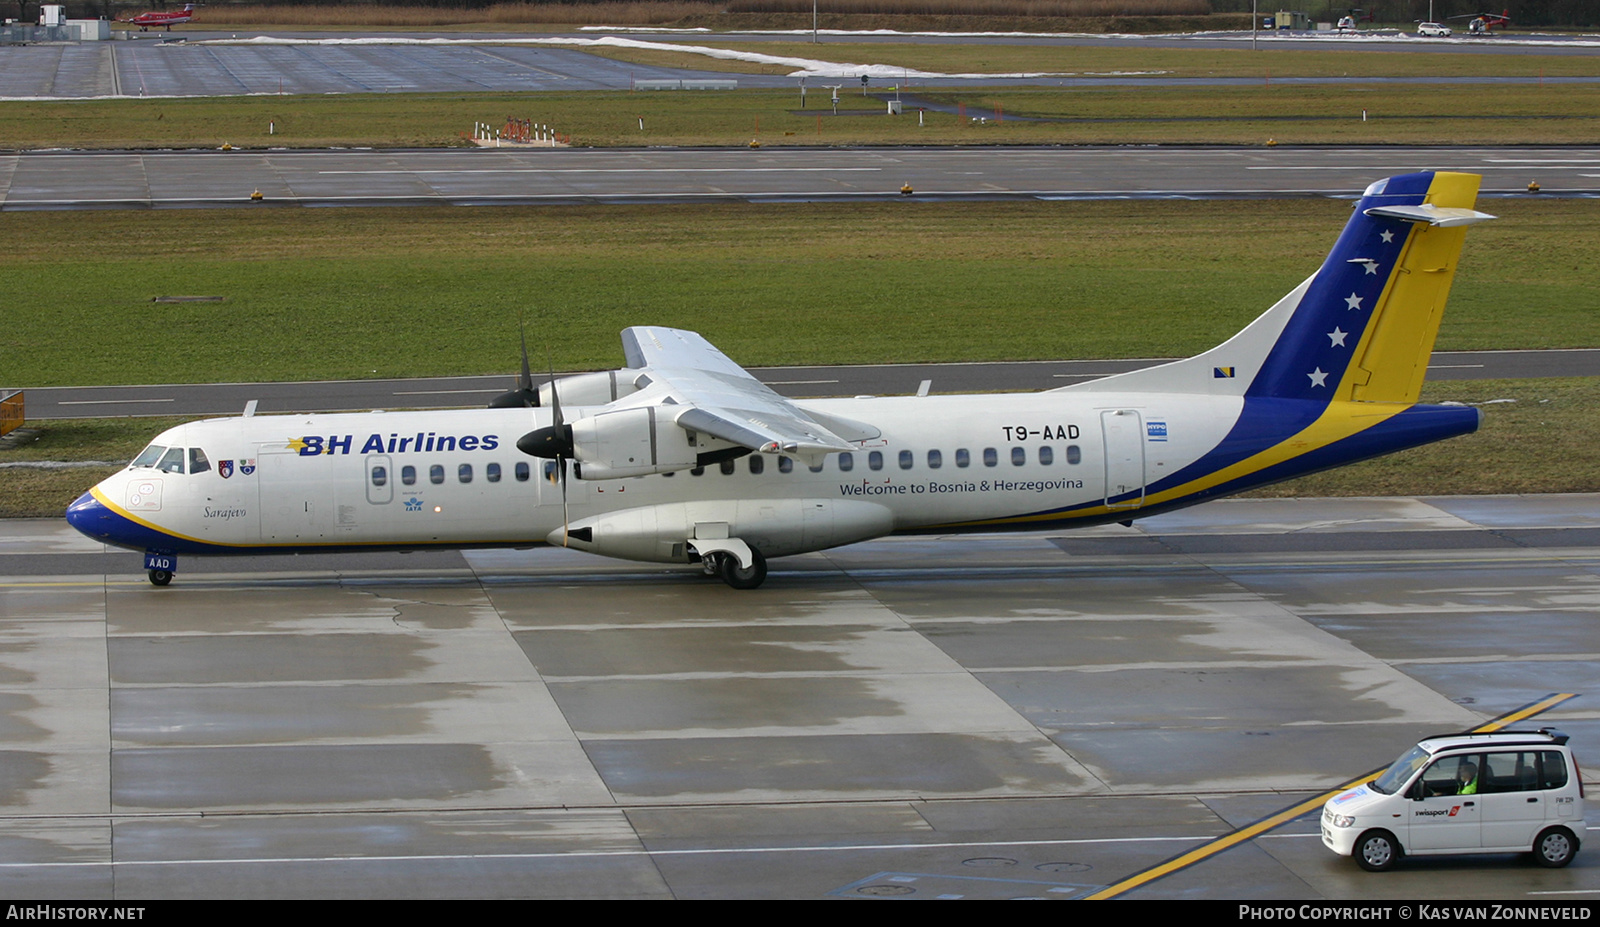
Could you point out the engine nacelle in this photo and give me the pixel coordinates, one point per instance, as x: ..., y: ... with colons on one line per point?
x: 591, y: 389
x: 634, y: 442
x: 776, y: 527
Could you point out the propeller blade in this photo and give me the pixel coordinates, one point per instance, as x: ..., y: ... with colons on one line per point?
x: 525, y: 381
x: 566, y: 514
x: 524, y: 396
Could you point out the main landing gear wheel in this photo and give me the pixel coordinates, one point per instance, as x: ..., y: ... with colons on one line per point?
x: 740, y: 577
x: 160, y: 577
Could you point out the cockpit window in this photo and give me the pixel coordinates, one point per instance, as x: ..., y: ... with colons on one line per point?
x: 197, y: 461
x: 172, y: 460
x: 148, y: 456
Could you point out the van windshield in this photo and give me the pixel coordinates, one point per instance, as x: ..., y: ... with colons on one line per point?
x: 1396, y: 776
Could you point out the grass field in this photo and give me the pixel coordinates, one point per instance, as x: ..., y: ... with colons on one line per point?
x: 1276, y: 108
x: 1328, y: 59
x: 319, y: 294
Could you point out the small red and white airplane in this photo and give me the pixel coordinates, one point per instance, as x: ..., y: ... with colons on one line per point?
x: 145, y: 20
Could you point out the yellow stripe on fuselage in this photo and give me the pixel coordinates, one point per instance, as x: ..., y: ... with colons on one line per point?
x: 105, y: 500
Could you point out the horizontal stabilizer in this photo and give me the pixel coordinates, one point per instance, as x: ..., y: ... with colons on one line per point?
x: 1445, y: 217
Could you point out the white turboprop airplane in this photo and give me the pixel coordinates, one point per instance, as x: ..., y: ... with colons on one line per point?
x: 683, y: 457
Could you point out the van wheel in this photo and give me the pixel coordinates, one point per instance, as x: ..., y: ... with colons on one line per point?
x: 1377, y: 850
x: 1554, y: 848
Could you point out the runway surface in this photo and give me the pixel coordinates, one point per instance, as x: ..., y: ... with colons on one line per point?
x: 1035, y: 715
x: 201, y: 399
x: 188, y: 179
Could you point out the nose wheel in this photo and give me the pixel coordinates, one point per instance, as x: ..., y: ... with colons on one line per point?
x: 159, y: 567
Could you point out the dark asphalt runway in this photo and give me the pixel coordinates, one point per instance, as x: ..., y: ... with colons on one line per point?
x: 193, y: 179
x: 798, y: 382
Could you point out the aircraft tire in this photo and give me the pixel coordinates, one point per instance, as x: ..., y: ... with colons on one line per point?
x: 740, y: 578
x: 160, y: 577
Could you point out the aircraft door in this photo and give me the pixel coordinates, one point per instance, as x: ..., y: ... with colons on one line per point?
x: 1124, y: 449
x: 380, y: 480
x: 293, y: 495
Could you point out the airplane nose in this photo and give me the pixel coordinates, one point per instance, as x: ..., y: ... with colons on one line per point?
x: 91, y: 518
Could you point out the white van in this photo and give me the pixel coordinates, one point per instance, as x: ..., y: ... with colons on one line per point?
x: 1511, y: 792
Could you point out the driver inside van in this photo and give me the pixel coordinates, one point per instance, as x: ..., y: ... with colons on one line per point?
x: 1467, y: 778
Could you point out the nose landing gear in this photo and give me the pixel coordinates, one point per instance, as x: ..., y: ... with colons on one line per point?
x: 159, y: 567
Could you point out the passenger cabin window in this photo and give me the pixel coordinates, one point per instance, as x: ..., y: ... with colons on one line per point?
x: 464, y: 473
x: 847, y: 462
x: 1047, y: 456
x: 380, y: 475
x: 1073, y: 454
x: 408, y: 475
x: 1019, y: 456
x: 436, y: 473
x: 963, y: 457
x: 935, y: 460
x: 907, y: 459
x: 785, y: 465
x: 491, y: 472
x: 875, y: 460
x: 197, y: 461
x: 817, y: 467
x: 523, y: 471
x: 757, y: 463
x: 726, y: 467
x: 991, y: 457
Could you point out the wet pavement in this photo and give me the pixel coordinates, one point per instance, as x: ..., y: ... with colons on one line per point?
x: 1034, y: 715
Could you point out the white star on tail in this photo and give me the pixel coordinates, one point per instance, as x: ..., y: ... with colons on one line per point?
x: 1388, y: 236
x: 1319, y: 377
x: 1336, y: 337
x: 1354, y: 301
x: 1372, y: 267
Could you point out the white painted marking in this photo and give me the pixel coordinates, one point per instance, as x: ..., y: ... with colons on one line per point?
x: 443, y: 392
x: 104, y: 402
x: 629, y: 170
x: 584, y: 854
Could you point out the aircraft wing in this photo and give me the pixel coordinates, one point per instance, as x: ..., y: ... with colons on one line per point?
x: 719, y: 398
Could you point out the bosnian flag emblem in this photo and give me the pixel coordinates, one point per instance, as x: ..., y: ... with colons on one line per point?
x: 225, y: 468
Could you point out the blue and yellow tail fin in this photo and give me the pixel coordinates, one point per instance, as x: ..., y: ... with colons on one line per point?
x: 1362, y: 327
